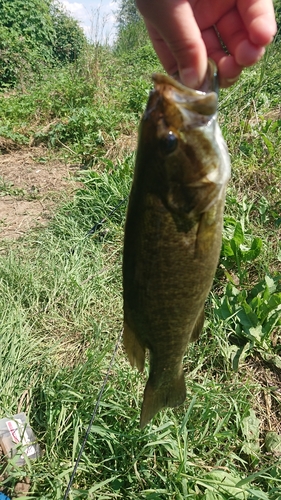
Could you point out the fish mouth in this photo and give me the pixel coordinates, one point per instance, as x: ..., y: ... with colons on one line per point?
x: 203, y: 101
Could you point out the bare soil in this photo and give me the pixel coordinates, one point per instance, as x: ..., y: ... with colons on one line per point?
x: 31, y: 186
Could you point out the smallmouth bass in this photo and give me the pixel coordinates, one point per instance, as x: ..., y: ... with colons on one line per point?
x: 173, y: 232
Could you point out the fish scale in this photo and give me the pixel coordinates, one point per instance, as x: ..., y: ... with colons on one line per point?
x: 173, y: 233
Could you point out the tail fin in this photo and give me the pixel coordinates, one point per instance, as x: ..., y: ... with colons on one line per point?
x: 169, y: 395
x: 134, y: 349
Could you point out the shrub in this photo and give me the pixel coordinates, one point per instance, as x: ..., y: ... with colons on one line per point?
x: 19, y: 56
x: 35, y: 34
x: 70, y: 38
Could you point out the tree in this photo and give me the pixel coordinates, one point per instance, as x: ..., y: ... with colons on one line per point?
x: 131, y: 31
x: 127, y: 14
x: 70, y: 38
x: 34, y: 34
x: 31, y: 19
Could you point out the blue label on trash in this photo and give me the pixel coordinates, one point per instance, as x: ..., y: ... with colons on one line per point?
x: 3, y: 497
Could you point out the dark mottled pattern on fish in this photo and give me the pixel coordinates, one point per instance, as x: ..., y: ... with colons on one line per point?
x: 172, y: 235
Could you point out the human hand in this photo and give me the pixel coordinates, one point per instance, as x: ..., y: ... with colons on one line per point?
x: 183, y: 35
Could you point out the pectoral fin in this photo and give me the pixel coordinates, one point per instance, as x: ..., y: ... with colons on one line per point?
x: 134, y: 349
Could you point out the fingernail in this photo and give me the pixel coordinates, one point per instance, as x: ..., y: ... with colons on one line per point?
x: 189, y: 77
x: 230, y: 81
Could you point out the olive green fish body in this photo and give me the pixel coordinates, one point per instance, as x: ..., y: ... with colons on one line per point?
x: 172, y: 235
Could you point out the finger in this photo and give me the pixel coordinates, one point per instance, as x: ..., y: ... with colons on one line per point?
x: 162, y: 50
x: 259, y: 20
x: 235, y: 36
x: 228, y: 69
x: 177, y: 39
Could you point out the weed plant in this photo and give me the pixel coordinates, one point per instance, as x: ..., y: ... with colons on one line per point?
x: 61, y: 304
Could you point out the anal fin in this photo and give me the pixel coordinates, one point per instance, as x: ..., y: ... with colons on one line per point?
x: 134, y: 349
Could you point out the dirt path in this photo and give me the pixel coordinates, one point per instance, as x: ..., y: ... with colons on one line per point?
x: 31, y: 185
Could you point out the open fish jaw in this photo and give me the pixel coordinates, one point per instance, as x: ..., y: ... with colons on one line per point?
x: 199, y: 111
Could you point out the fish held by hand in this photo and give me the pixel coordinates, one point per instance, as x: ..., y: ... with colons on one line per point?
x: 173, y: 232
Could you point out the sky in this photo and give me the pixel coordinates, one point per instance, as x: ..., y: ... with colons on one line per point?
x: 96, y: 17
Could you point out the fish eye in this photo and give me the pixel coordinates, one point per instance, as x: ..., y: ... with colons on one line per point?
x: 169, y: 143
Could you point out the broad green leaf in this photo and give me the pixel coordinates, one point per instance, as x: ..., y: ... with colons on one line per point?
x: 270, y: 284
x: 274, y: 303
x: 231, y: 290
x: 273, y: 443
x: 247, y: 317
x: 270, y: 322
x: 254, y: 251
x: 226, y: 249
x: 256, y: 304
x: 250, y: 427
x: 240, y: 355
x: 224, y: 311
x: 258, y: 289
x: 224, y: 483
x: 238, y: 235
x: 251, y: 430
x: 256, y: 332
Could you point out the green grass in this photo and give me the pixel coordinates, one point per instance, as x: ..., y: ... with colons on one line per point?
x: 61, y: 304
